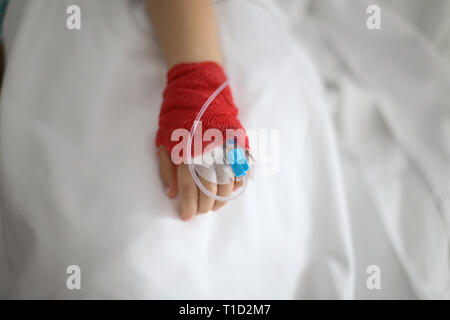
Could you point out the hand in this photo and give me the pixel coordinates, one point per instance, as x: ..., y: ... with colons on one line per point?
x: 193, y: 201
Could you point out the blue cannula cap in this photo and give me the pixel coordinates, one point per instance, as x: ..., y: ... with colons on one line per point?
x: 238, y: 162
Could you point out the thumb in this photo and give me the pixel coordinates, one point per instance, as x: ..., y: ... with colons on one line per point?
x: 167, y: 172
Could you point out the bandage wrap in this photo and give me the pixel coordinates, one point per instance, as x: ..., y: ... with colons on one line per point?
x: 189, y: 85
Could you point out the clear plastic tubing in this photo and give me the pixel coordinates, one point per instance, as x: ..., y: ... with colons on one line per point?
x: 194, y: 175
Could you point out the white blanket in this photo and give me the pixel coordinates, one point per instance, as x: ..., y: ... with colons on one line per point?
x: 390, y: 97
x: 79, y: 179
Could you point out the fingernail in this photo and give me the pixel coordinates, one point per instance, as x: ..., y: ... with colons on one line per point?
x: 168, y: 190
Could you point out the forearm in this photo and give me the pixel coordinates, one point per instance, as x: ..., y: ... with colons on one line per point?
x: 186, y: 30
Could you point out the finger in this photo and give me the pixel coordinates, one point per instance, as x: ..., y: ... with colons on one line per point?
x: 223, y: 190
x: 238, y: 184
x: 188, y: 193
x: 205, y: 203
x: 167, y: 172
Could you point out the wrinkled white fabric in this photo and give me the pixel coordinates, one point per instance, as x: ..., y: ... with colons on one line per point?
x: 390, y: 98
x: 79, y: 180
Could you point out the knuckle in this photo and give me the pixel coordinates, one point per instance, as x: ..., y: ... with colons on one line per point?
x: 188, y: 190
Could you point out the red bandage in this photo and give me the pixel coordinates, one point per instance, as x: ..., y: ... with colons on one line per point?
x: 189, y: 85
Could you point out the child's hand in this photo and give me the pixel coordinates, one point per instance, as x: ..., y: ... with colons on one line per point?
x: 189, y: 85
x: 187, y: 33
x: 179, y: 180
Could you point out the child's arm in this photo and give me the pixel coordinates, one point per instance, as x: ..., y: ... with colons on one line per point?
x: 187, y: 32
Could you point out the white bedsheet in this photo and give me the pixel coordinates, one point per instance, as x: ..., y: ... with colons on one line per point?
x: 79, y: 180
x: 389, y: 95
